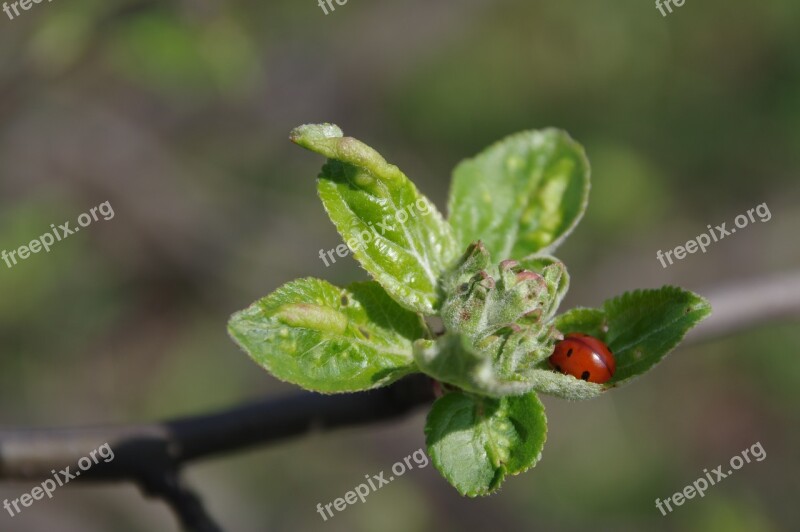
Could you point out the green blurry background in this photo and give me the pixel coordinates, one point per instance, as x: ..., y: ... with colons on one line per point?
x: 178, y: 113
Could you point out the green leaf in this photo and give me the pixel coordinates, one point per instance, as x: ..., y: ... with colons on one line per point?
x: 591, y: 321
x: 639, y: 327
x: 328, y: 339
x: 522, y: 195
x: 395, y: 232
x: 548, y: 381
x: 475, y: 441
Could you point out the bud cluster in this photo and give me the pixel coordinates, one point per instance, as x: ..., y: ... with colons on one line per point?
x: 505, y: 310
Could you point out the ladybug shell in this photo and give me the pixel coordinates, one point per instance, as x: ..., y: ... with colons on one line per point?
x: 584, y: 357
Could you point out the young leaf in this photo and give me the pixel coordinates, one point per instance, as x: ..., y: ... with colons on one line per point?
x: 522, y: 195
x: 452, y: 359
x: 639, y: 327
x: 395, y: 232
x: 547, y: 381
x: 328, y: 339
x: 476, y: 441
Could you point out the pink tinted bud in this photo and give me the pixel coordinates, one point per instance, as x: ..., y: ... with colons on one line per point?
x: 526, y: 275
x: 487, y: 281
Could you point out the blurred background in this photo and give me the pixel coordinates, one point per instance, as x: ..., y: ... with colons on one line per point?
x: 178, y: 113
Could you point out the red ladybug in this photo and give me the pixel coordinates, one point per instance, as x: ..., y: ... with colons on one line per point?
x: 584, y: 357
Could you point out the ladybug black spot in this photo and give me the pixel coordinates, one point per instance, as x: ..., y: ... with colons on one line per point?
x: 569, y: 353
x: 585, y: 375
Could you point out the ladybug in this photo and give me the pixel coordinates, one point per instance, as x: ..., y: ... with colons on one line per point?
x: 584, y: 357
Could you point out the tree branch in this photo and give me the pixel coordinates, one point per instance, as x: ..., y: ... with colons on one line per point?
x: 748, y: 304
x: 186, y: 505
x: 152, y: 454
x: 32, y: 453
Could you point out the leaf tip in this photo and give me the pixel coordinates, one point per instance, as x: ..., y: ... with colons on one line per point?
x: 308, y: 134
